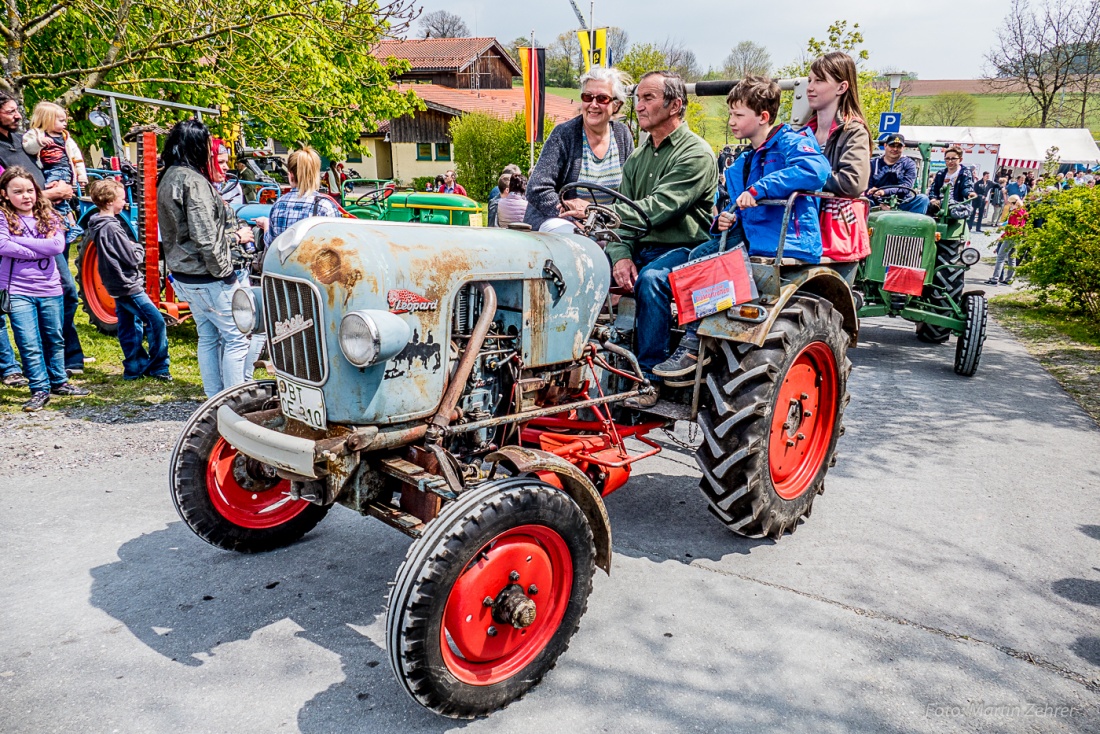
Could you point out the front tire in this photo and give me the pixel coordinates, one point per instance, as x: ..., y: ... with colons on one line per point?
x: 513, y: 541
x: 226, y: 498
x: 946, y: 288
x: 773, y: 420
x: 968, y: 347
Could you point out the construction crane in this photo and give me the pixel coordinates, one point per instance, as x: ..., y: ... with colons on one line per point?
x: 580, y: 18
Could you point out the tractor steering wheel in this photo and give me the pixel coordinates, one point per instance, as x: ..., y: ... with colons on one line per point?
x: 375, y: 196
x: 882, y: 199
x: 602, y: 221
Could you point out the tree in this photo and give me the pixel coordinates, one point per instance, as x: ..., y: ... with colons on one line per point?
x: 681, y: 59
x: 747, y: 58
x: 298, y: 71
x: 522, y: 42
x: 617, y: 43
x: 642, y: 57
x: 441, y: 24
x: 563, y: 60
x: 949, y: 109
x: 483, y: 145
x: 1036, y: 52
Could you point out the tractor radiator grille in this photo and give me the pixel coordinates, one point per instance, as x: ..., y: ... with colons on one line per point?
x: 908, y: 252
x: 294, y: 328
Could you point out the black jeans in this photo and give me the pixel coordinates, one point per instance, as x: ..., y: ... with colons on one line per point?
x: 74, y: 353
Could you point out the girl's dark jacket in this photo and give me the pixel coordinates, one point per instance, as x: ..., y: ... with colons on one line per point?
x: 560, y: 164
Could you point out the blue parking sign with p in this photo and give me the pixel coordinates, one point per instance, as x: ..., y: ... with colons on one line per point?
x: 890, y: 122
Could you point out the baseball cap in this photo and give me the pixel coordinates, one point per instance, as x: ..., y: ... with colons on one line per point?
x: 894, y: 138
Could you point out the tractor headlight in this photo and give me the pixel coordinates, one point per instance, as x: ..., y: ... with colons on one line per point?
x: 970, y: 256
x: 370, y: 337
x: 247, y: 312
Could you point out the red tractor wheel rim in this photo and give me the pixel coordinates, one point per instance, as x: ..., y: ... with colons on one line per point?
x: 263, y: 506
x: 803, y: 420
x: 96, y: 296
x: 479, y: 650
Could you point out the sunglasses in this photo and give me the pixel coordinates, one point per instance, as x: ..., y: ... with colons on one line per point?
x: 601, y: 99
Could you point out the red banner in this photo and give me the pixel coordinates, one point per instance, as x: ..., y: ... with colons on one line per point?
x: 533, y: 63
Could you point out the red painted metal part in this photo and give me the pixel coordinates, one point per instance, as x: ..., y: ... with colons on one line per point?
x: 477, y: 649
x: 247, y: 508
x: 96, y: 296
x: 148, y: 204
x: 803, y: 420
x: 589, y: 444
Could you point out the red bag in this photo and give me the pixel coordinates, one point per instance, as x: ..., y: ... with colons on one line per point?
x: 712, y: 284
x: 844, y: 235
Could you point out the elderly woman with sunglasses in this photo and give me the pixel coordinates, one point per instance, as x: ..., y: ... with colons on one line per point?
x: 591, y: 147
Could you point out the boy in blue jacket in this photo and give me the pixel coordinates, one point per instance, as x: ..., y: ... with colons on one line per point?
x: 780, y: 162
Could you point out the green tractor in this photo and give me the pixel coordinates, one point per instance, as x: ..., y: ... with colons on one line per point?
x: 379, y: 199
x: 916, y: 270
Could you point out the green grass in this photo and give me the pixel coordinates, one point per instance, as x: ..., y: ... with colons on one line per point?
x: 1000, y: 110
x: 1064, y: 341
x: 104, y: 376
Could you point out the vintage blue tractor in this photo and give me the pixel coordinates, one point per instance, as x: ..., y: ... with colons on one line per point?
x: 465, y: 386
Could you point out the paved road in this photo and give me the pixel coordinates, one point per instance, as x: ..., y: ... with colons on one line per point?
x: 949, y: 580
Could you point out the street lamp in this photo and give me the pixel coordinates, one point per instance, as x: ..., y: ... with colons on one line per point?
x: 895, y: 82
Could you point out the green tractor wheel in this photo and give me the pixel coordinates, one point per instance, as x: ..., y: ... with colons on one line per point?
x: 946, y: 288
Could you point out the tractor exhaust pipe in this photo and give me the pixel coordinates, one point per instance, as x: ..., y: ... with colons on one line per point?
x: 442, y: 417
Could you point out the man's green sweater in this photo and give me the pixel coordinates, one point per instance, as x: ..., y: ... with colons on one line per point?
x: 674, y: 184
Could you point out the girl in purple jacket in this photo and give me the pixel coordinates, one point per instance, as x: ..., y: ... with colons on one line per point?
x: 31, y: 234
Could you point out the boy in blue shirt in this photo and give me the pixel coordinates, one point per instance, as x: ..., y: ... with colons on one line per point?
x: 780, y: 162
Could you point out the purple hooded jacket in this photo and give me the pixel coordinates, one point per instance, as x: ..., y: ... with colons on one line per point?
x: 31, y: 260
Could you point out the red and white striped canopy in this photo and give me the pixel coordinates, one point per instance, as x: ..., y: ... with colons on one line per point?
x: 1018, y: 163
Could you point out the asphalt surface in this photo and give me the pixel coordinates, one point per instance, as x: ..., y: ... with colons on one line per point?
x: 948, y: 580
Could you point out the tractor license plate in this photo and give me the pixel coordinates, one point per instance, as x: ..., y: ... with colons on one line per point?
x: 306, y: 404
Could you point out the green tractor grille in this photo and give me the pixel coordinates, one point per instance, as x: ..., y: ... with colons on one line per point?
x: 907, y: 252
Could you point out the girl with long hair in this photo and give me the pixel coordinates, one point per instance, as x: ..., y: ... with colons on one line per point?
x: 840, y: 128
x: 31, y: 236
x: 303, y: 200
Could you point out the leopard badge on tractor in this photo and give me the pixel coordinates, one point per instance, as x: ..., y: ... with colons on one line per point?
x: 466, y: 386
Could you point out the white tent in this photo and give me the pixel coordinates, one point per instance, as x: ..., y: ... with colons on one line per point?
x: 1021, y: 147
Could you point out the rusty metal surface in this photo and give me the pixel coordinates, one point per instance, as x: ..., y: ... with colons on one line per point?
x: 538, y: 413
x: 819, y: 280
x: 356, y: 264
x: 574, y: 483
x: 461, y: 374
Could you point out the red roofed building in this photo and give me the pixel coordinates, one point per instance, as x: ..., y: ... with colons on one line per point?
x: 453, y: 76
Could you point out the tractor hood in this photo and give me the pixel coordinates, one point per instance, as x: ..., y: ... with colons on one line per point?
x: 550, y: 288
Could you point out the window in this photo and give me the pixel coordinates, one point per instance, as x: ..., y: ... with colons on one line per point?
x: 355, y: 158
x: 423, y: 151
x: 443, y: 151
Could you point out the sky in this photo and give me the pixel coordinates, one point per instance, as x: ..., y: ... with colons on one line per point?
x: 937, y: 39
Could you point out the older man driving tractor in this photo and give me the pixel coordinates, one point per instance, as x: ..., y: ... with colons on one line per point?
x: 672, y: 178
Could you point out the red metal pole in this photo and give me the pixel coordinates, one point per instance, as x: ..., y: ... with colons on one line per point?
x: 148, y: 205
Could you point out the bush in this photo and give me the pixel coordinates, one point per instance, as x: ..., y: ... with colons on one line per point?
x: 1060, y: 247
x: 482, y: 146
x: 421, y: 183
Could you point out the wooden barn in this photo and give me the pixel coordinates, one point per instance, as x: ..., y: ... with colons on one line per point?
x: 452, y: 76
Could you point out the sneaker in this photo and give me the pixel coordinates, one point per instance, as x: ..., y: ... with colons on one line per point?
x: 89, y: 360
x: 162, y: 378
x: 993, y: 281
x: 682, y: 363
x: 71, y: 390
x: 643, y: 401
x: 70, y: 371
x: 16, y: 379
x: 37, y: 402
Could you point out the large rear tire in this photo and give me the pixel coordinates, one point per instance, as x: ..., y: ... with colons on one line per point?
x: 968, y: 347
x: 773, y: 419
x: 946, y: 288
x: 226, y: 498
x: 488, y: 599
x: 94, y: 298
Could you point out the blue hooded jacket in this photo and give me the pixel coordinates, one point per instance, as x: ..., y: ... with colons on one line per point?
x: 788, y: 161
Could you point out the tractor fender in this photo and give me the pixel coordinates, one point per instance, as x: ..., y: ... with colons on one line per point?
x: 819, y: 280
x: 573, y: 482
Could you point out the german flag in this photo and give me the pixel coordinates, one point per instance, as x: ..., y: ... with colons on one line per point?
x: 533, y: 62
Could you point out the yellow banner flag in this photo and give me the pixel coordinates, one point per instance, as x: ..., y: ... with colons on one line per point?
x: 593, y: 47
